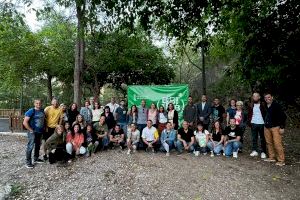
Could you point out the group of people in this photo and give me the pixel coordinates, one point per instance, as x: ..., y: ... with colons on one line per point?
x: 207, y: 128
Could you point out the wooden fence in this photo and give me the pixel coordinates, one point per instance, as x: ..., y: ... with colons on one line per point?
x: 6, y: 113
x: 16, y: 123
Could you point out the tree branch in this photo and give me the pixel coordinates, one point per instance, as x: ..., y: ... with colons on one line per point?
x: 188, y: 57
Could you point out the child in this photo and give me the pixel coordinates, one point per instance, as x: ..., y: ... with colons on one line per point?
x: 201, y: 136
x: 92, y: 144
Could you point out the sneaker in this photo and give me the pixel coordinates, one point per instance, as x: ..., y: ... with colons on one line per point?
x: 39, y: 161
x: 235, y: 154
x: 69, y: 161
x: 128, y: 152
x: 212, y: 154
x: 204, y: 153
x: 179, y: 153
x: 45, y: 157
x: 280, y: 164
x: 29, y: 166
x: 253, y: 153
x: 270, y: 160
x: 263, y: 155
x: 197, y: 153
x: 218, y: 154
x: 167, y: 154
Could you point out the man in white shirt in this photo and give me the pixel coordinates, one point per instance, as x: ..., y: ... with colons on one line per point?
x: 150, y: 137
x: 113, y: 106
x: 256, y: 115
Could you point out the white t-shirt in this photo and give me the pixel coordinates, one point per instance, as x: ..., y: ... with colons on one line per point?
x: 162, y: 118
x: 134, y: 136
x: 113, y: 107
x: 201, y: 137
x: 148, y: 134
x: 257, y: 116
x: 96, y: 114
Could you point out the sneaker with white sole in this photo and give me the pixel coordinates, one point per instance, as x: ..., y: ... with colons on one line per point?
x: 263, y: 155
x: 253, y: 154
x: 197, y: 153
x: 235, y: 154
x: 212, y: 154
x: 128, y: 152
x: 270, y: 160
x: 29, y: 166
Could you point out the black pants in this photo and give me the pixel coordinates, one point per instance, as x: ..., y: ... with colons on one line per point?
x: 258, y: 130
x: 59, y: 155
x: 112, y: 144
x: 48, y: 133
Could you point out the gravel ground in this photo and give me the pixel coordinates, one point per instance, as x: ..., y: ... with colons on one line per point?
x: 115, y: 175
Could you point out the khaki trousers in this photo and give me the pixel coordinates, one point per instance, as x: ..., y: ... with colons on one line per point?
x: 274, y: 143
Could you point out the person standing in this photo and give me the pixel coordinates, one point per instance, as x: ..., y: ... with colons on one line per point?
x: 142, y: 116
x: 240, y: 120
x: 173, y: 116
x: 204, y: 111
x: 121, y: 116
x: 273, y: 131
x: 113, y: 106
x: 230, y: 112
x: 256, y: 115
x: 152, y: 114
x: 86, y: 112
x: 72, y: 113
x: 218, y: 111
x: 190, y: 112
x: 53, y: 117
x: 162, y: 118
x: 96, y: 112
x: 34, y: 122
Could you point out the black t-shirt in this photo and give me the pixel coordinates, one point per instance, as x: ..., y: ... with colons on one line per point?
x: 216, y: 136
x: 217, y: 113
x: 116, y: 135
x: 232, y: 133
x: 186, y: 136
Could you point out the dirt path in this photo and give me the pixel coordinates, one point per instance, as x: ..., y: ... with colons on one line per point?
x: 115, y: 175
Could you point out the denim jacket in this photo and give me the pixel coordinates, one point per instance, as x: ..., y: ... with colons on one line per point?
x: 168, y: 136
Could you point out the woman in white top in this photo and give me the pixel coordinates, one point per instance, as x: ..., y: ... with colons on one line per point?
x: 133, y: 138
x: 97, y: 111
x: 172, y: 116
x: 162, y: 118
x: 152, y: 114
x: 202, y: 137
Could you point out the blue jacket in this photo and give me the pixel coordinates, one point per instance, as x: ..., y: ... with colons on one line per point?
x: 171, y: 136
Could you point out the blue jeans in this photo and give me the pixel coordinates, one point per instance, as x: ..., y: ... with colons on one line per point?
x: 167, y: 146
x: 179, y: 146
x: 214, y: 147
x: 124, y: 127
x: 232, y: 147
x: 141, y: 127
x: 104, y: 142
x: 34, y: 140
x: 200, y: 149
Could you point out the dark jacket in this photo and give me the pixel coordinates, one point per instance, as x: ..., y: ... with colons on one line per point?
x: 72, y: 116
x: 53, y: 141
x: 190, y: 113
x: 109, y: 120
x: 205, y: 113
x: 263, y: 110
x: 275, y: 116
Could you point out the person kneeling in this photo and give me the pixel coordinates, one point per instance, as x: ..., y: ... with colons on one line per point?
x: 201, y: 136
x: 185, y: 138
x: 116, y: 137
x: 91, y: 140
x: 167, y: 138
x: 232, y: 139
x: 150, y: 137
x: 55, y: 145
x: 133, y: 138
x: 74, y: 140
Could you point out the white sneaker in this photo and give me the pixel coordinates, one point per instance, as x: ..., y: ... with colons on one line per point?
x: 263, y: 155
x: 212, y: 154
x: 235, y: 154
x: 253, y: 153
x: 128, y: 152
x: 197, y: 153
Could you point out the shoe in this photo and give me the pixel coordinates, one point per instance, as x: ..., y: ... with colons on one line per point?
x: 69, y: 161
x: 270, y: 160
x: 253, y: 153
x: 204, y: 153
x: 263, y: 155
x: 39, y: 161
x: 212, y: 154
x: 197, y: 153
x: 167, y: 154
x: 128, y: 152
x: 280, y: 164
x: 218, y: 154
x: 45, y: 157
x: 29, y: 166
x: 235, y: 154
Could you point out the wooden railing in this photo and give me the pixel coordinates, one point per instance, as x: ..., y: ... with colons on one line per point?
x: 6, y: 113
x: 16, y: 123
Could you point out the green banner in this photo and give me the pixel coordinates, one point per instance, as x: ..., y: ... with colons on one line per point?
x: 160, y: 95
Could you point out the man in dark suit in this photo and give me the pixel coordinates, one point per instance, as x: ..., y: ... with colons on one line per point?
x: 204, y: 111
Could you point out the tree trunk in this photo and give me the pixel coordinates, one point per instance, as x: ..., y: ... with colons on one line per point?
x: 79, y: 52
x: 203, y: 66
x: 49, y: 86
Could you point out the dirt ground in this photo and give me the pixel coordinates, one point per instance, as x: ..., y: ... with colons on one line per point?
x: 115, y: 175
